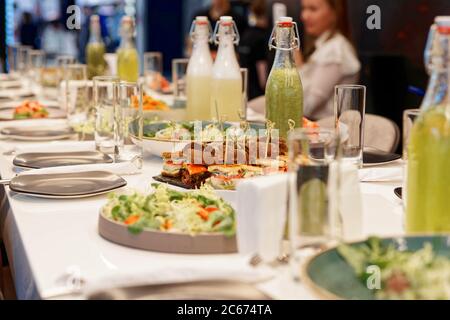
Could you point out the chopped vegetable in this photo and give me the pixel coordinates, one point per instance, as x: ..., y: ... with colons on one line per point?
x: 406, y: 275
x: 30, y: 110
x: 167, y: 210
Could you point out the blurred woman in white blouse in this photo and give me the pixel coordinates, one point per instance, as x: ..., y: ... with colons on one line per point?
x: 329, y: 58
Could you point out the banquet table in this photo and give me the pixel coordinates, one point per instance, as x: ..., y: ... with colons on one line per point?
x: 46, y: 238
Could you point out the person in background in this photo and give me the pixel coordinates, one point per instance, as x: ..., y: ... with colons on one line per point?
x: 83, y: 35
x: 328, y: 59
x: 253, y: 48
x: 28, y: 31
x: 221, y: 8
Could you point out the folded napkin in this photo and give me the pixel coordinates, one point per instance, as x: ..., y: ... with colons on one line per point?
x: 241, y: 272
x: 261, y: 216
x: 381, y: 174
x: 56, y: 146
x: 121, y: 169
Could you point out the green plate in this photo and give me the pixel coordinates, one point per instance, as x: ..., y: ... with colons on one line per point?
x: 330, y: 277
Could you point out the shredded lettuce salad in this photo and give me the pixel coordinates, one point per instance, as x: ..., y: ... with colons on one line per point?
x: 405, y: 275
x: 195, y: 212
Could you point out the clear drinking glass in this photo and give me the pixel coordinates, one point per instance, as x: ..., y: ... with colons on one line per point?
x: 105, y: 100
x: 179, y: 73
x: 349, y: 111
x: 22, y: 58
x: 36, y: 62
x: 409, y: 118
x: 13, y: 63
x: 128, y: 123
x: 76, y: 99
x: 311, y: 219
x: 153, y: 70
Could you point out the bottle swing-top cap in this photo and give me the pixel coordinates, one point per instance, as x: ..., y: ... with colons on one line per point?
x: 285, y: 22
x: 200, y: 21
x: 226, y: 21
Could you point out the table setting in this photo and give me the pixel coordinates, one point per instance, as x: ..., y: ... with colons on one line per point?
x: 120, y: 187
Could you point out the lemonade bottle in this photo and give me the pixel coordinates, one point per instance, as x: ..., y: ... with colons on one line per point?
x: 226, y: 84
x: 95, y: 50
x: 428, y: 174
x: 127, y: 55
x: 284, y: 91
x: 199, y: 72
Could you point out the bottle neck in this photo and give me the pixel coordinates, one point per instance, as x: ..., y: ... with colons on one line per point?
x: 95, y: 36
x: 284, y: 39
x: 438, y: 88
x: 226, y: 48
x: 127, y: 41
x: 201, y: 38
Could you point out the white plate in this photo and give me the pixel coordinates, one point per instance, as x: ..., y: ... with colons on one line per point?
x: 37, y: 133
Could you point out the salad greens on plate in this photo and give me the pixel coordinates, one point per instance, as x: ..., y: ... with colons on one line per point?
x: 405, y: 275
x: 167, y: 210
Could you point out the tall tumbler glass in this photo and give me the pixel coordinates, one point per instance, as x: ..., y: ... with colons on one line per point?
x: 349, y: 111
x: 153, y: 70
x: 13, y: 64
x: 129, y: 125
x: 311, y: 216
x: 76, y: 95
x: 179, y: 73
x: 36, y: 62
x: 105, y: 101
x: 22, y: 64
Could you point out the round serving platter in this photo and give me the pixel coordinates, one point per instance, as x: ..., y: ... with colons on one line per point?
x: 167, y: 242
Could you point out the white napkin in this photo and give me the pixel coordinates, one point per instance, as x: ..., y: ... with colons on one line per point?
x: 261, y: 215
x: 121, y: 169
x: 381, y: 174
x: 171, y: 275
x: 56, y: 146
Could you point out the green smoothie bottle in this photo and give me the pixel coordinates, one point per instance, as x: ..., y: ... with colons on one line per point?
x: 284, y: 91
x: 428, y: 174
x: 95, y: 50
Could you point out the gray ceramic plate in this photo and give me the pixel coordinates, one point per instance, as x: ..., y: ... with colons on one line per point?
x: 60, y: 159
x: 67, y: 185
x: 167, y: 242
x: 37, y: 133
x: 202, y: 290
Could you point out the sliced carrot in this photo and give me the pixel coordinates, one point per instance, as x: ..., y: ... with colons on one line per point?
x: 132, y: 220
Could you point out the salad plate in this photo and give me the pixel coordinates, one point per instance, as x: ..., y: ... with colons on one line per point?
x: 67, y: 185
x: 169, y: 221
x: 59, y: 159
x: 199, y: 290
x: 37, y: 133
x: 342, y: 272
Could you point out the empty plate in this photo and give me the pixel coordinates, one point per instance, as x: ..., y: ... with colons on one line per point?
x: 37, y: 133
x: 202, y: 290
x: 373, y: 157
x: 60, y: 159
x: 67, y: 185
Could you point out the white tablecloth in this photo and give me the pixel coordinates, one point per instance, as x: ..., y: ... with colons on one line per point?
x: 47, y: 238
